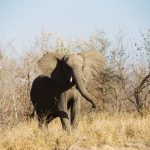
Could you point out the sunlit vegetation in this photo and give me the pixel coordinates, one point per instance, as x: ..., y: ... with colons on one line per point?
x: 122, y: 94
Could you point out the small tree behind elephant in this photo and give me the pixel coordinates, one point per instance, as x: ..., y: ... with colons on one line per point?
x: 71, y: 74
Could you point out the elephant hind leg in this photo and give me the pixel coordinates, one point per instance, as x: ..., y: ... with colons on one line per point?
x: 41, y: 120
x: 48, y: 120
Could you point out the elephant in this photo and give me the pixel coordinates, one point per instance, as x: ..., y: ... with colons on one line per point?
x: 68, y: 76
x: 45, y: 94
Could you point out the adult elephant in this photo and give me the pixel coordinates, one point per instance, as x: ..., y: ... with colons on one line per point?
x: 70, y: 73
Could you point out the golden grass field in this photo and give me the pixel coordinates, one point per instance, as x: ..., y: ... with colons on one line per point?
x: 124, y: 131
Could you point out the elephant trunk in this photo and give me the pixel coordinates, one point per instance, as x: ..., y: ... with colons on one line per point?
x: 81, y: 86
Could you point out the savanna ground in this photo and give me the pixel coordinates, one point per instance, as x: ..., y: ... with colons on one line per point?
x: 102, y: 131
x: 122, y: 92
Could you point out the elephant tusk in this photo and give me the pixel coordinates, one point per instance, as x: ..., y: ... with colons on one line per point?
x: 70, y: 79
x: 85, y: 80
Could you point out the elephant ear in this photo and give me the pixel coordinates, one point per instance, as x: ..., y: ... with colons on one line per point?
x: 50, y: 65
x: 94, y: 63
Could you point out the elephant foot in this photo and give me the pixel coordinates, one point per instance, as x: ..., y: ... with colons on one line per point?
x: 65, y: 124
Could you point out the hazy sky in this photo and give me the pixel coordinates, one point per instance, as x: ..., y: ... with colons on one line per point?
x: 23, y: 19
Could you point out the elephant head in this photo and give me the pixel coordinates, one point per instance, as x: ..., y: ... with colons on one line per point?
x: 74, y: 69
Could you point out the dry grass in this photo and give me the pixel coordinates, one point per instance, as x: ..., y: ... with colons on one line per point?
x: 93, y: 131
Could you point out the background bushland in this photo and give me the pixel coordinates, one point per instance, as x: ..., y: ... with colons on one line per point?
x: 124, y: 85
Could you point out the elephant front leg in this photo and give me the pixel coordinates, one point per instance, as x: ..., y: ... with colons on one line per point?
x: 75, y: 111
x: 63, y: 112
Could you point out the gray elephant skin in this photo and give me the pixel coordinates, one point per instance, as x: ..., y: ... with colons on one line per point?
x: 58, y: 91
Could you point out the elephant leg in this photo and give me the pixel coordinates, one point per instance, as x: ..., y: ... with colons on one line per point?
x: 48, y: 120
x: 75, y: 110
x: 63, y: 111
x: 40, y: 121
x: 42, y: 118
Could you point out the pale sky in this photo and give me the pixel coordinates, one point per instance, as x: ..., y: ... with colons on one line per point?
x: 21, y: 20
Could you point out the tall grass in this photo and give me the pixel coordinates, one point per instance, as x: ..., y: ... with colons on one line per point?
x: 94, y: 130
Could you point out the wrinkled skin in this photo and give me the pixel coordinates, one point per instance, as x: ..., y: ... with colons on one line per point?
x: 69, y: 74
